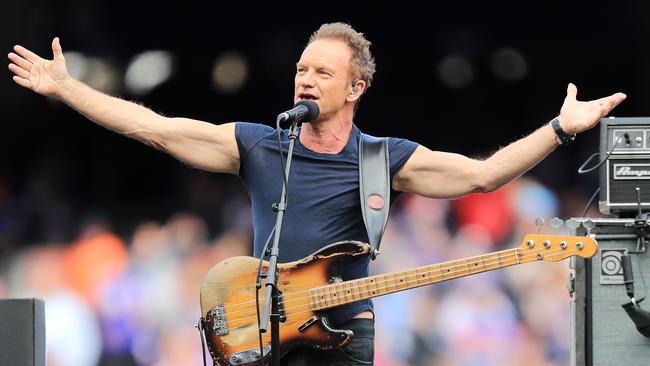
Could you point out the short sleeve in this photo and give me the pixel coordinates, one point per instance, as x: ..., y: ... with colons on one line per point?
x: 248, y: 135
x: 399, y: 150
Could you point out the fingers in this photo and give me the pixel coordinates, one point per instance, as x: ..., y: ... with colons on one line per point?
x: 614, y: 98
x: 21, y: 62
x: 22, y: 82
x: 571, y: 91
x: 56, y: 48
x: 608, y: 103
x: 26, y: 54
x: 19, y: 71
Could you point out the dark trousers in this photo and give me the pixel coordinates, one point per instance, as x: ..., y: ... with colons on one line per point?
x: 360, y: 351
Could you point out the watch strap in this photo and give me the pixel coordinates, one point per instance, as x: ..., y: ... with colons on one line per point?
x: 561, y: 137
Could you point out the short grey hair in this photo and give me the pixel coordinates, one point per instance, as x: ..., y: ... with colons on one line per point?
x: 363, y: 64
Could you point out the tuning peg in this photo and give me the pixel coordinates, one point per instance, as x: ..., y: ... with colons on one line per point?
x: 589, y: 225
x: 573, y: 224
x: 539, y: 222
x: 556, y: 223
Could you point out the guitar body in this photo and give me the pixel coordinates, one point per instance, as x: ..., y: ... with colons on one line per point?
x: 229, y: 315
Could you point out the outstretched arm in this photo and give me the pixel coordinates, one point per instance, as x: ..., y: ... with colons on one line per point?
x: 200, y: 144
x: 444, y: 175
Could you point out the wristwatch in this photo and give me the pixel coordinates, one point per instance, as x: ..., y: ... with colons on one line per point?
x: 561, y: 137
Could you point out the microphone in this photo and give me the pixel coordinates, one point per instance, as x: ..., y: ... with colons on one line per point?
x: 303, y: 111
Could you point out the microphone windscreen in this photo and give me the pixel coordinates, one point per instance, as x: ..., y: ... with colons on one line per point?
x: 312, y: 110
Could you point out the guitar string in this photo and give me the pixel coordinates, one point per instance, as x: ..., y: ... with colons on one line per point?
x: 507, y: 252
x: 293, y: 314
x: 287, y: 296
x: 407, y: 282
x: 456, y: 264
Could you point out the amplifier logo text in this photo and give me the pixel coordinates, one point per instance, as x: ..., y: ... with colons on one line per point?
x: 631, y: 171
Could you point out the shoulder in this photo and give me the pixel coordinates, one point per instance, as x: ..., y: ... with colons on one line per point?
x: 250, y: 128
x: 399, y: 151
x: 394, y: 143
x: 248, y: 133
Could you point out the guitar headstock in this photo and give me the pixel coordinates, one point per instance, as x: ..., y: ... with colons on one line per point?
x: 538, y: 247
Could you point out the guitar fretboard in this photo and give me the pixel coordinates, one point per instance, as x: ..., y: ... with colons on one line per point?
x: 346, y: 292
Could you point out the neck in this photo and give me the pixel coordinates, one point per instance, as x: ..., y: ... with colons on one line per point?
x: 327, y: 137
x: 328, y: 296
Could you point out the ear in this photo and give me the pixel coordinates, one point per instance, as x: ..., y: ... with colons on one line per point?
x: 356, y: 90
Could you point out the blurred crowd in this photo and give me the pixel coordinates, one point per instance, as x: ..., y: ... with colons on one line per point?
x: 132, y: 298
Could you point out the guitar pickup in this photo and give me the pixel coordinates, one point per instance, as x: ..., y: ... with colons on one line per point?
x: 306, y: 324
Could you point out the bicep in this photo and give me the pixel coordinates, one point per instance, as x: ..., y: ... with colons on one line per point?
x: 201, y: 144
x: 439, y: 174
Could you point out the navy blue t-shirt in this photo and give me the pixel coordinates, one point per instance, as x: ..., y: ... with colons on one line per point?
x: 324, y: 205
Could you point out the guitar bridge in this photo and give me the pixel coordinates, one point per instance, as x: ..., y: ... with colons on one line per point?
x: 219, y: 320
x: 249, y: 356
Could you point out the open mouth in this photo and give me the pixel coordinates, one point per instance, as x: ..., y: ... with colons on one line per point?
x: 307, y: 96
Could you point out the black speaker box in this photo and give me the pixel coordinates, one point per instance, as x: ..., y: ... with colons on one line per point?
x: 22, y: 332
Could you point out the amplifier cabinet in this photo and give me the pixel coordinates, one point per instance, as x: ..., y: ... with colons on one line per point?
x: 623, y: 174
x: 601, y: 332
x: 628, y: 165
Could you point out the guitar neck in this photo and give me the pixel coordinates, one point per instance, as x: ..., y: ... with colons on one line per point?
x: 346, y: 292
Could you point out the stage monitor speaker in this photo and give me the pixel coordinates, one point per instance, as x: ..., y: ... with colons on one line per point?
x: 22, y: 332
x: 602, y: 333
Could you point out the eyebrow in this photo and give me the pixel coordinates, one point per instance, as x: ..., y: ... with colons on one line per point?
x: 318, y: 67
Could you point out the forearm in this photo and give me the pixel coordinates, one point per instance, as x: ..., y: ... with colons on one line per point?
x: 517, y: 158
x: 127, y: 118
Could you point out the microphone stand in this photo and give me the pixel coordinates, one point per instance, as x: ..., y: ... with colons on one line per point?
x: 272, y: 293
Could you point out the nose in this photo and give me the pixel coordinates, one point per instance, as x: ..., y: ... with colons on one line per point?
x: 306, y: 80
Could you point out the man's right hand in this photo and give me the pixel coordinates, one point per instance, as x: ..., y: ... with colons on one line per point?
x: 38, y: 74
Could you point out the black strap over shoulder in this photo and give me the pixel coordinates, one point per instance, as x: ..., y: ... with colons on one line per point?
x: 374, y: 187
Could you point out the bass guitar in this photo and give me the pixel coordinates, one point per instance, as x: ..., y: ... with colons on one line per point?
x: 311, y: 285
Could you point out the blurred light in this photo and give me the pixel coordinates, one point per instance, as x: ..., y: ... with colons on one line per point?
x: 230, y: 72
x: 76, y: 64
x: 534, y: 200
x: 509, y: 64
x: 148, y: 70
x: 94, y: 71
x: 102, y: 75
x: 455, y: 71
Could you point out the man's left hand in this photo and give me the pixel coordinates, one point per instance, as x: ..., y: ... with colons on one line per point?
x: 577, y: 116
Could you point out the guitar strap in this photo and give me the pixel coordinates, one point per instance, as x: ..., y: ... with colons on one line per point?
x: 374, y: 187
